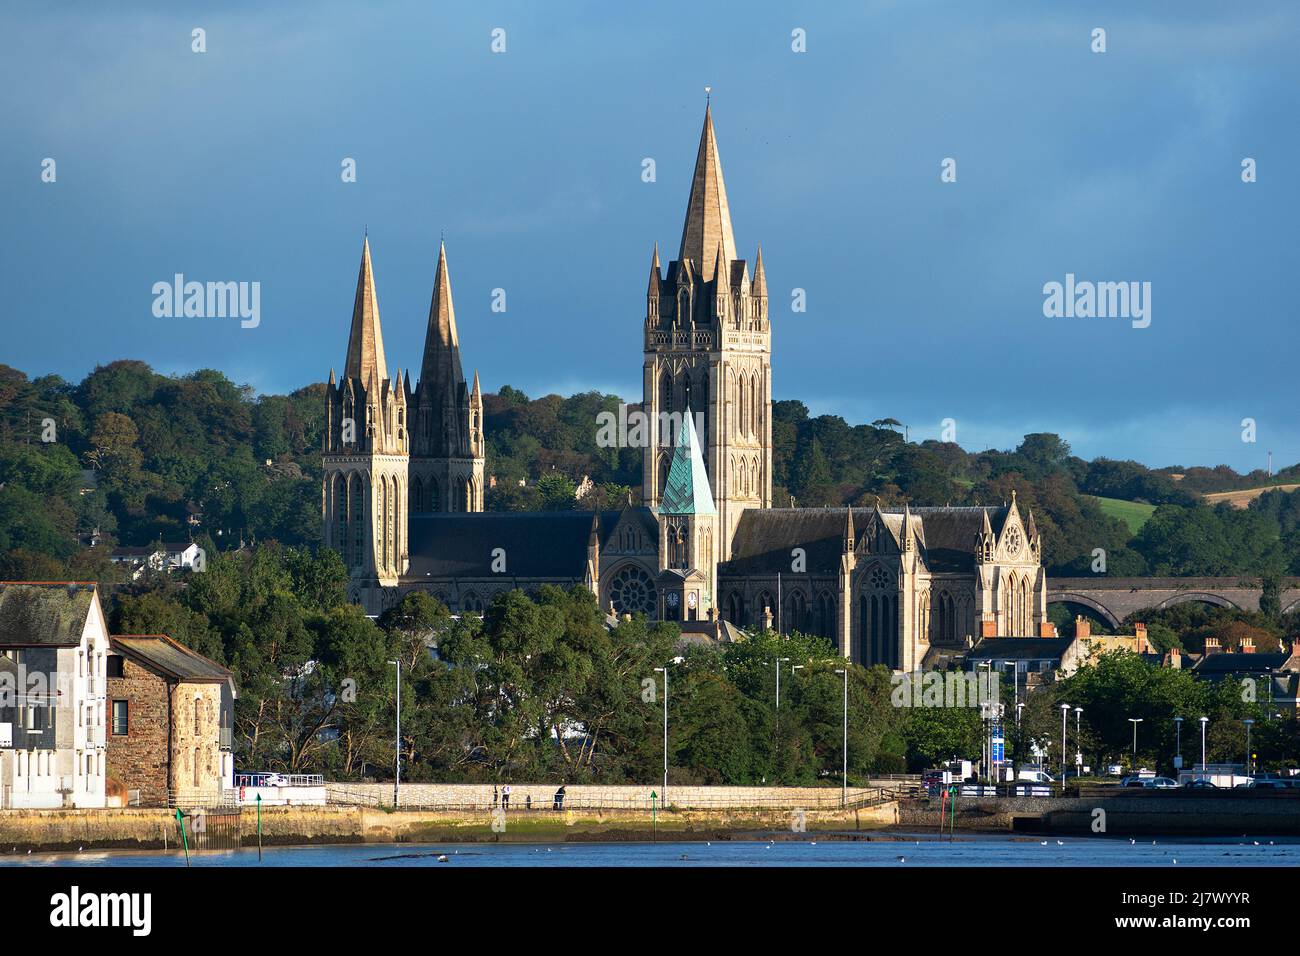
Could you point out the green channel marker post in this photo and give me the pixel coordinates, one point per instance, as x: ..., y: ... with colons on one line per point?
x: 654, y: 816
x: 180, y: 821
x: 259, y: 828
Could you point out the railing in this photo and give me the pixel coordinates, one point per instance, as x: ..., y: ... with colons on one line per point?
x: 830, y: 799
x: 196, y: 799
x: 271, y: 779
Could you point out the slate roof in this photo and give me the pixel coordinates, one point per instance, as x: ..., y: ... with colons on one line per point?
x: 1019, y: 648
x: 765, y: 537
x: 538, y: 544
x: 1224, y: 663
x: 161, y: 654
x: 43, y: 615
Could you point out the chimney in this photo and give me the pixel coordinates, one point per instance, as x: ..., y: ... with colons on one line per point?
x: 1143, y: 646
x: 1047, y: 629
x: 988, y: 625
x: 1211, y: 646
x: 1247, y: 645
x: 767, y: 618
x: 1082, y: 628
x: 1175, y: 658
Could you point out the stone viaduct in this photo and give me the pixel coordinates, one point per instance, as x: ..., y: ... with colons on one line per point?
x: 1114, y: 599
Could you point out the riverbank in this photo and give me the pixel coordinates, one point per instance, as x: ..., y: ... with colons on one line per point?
x: 138, y: 829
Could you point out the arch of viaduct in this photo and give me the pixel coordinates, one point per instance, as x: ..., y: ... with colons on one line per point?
x: 1114, y: 599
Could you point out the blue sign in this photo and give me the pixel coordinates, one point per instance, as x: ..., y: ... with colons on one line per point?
x: 999, y: 744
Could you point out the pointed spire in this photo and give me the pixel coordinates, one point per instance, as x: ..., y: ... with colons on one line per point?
x: 365, y: 341
x: 655, y: 280
x: 760, y: 277
x: 988, y: 526
x: 720, y: 270
x: 687, y: 489
x: 476, y: 394
x: 441, y: 365
x: 850, y: 537
x: 332, y: 379
x: 708, y: 218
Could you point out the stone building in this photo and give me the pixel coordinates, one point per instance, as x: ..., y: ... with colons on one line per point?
x: 53, y: 650
x: 170, y: 716
x: 706, y: 548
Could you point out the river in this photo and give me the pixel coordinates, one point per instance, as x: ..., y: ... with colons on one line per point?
x: 895, y: 850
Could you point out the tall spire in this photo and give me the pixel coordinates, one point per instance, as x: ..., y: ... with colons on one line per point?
x: 365, y: 342
x: 708, y: 218
x: 655, y: 280
x: 687, y: 490
x: 441, y: 365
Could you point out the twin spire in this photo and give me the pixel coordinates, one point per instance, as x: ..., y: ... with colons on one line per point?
x: 365, y: 343
x: 365, y: 357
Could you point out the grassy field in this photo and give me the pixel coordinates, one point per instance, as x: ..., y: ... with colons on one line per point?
x: 1132, y: 513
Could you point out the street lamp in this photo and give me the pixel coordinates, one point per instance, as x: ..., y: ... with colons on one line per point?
x: 844, y: 777
x: 663, y: 800
x: 1065, y: 709
x: 1078, y: 740
x: 397, y: 740
x: 1135, y: 721
x: 1178, y: 731
x: 1249, y: 762
x: 776, y: 763
x: 1204, y: 721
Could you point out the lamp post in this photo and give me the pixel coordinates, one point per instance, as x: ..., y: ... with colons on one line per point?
x: 663, y: 801
x: 1249, y: 762
x: 1078, y: 740
x: 1065, y: 709
x: 397, y: 739
x: 776, y: 763
x: 1204, y: 721
x: 844, y: 777
x: 1178, y: 744
x: 1135, y: 721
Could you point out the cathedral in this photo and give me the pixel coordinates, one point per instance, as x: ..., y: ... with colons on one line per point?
x: 403, y: 492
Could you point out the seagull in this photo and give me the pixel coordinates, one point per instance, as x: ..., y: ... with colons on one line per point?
x: 1256, y: 843
x: 1044, y: 843
x: 1132, y: 842
x: 902, y: 859
x: 1059, y: 843
x: 1175, y: 861
x: 443, y: 858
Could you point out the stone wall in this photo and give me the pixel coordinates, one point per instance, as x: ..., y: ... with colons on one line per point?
x: 138, y: 761
x: 597, y: 797
x: 196, y: 739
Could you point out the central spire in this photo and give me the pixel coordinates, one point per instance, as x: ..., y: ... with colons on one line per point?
x: 708, y: 218
x: 441, y: 363
x: 365, y: 342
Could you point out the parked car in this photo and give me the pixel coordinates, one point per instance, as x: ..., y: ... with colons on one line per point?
x: 1200, y: 785
x: 1134, y: 781
x: 1159, y: 783
x: 1035, y: 776
x: 1270, y: 785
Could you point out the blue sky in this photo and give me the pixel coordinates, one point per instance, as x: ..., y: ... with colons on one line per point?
x: 924, y: 298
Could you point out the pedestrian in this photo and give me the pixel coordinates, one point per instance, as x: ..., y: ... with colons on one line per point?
x: 505, y: 797
x: 528, y: 801
x: 494, y: 796
x: 559, y: 799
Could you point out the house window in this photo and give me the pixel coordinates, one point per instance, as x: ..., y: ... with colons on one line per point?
x: 197, y: 725
x: 115, y: 666
x: 121, y: 718
x: 196, y: 766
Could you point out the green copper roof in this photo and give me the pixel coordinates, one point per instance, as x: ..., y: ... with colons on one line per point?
x: 687, y: 490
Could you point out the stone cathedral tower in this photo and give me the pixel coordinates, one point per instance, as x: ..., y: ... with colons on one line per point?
x: 708, y: 346
x: 363, y: 502
x: 447, y: 444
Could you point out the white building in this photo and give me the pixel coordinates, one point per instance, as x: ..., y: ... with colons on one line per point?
x: 53, y: 686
